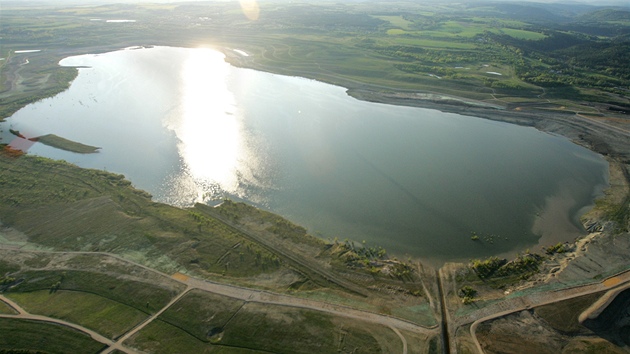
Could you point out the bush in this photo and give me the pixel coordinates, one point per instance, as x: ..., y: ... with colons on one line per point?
x: 467, y: 291
x: 557, y: 248
x: 488, y: 267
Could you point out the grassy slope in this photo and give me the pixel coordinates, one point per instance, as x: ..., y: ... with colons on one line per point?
x: 96, y: 291
x: 102, y: 315
x: 63, y: 207
x: 44, y: 337
x: 564, y: 316
x: 160, y: 337
x: 204, y: 321
x: 6, y: 309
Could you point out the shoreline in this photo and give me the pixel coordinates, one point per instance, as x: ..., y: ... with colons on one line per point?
x: 612, y: 144
x: 580, y: 130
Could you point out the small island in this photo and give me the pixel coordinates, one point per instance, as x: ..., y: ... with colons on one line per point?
x: 65, y: 144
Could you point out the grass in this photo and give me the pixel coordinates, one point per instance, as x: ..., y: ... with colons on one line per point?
x: 278, y: 329
x: 615, y: 204
x: 219, y: 320
x: 563, y: 316
x: 6, y: 267
x: 621, y: 215
x: 456, y: 30
x: 32, y: 336
x: 430, y: 43
x: 100, y: 314
x: 396, y: 32
x: 420, y: 314
x: 58, y: 81
x: 161, y: 337
x: 336, y: 298
x: 6, y: 309
x: 117, y: 289
x: 61, y: 206
x: 259, y: 327
x: 273, y: 223
x: 523, y: 34
x: 396, y: 21
x: 202, y: 314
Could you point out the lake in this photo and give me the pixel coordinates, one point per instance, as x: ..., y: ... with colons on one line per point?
x: 188, y: 127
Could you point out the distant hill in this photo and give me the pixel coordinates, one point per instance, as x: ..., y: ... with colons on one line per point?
x: 606, y: 15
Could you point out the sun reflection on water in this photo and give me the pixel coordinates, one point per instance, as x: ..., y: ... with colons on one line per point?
x: 208, y: 125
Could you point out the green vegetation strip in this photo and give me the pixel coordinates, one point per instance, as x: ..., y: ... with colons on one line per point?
x: 160, y: 337
x: 65, y: 144
x: 143, y: 297
x: 202, y: 319
x: 33, y: 336
x: 278, y: 329
x: 102, y: 315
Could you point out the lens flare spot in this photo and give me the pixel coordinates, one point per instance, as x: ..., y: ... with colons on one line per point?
x: 250, y: 8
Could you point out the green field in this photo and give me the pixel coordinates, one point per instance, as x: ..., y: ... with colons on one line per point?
x: 396, y: 21
x: 161, y: 337
x: 457, y: 31
x: 201, y: 321
x: 265, y: 327
x: 97, y: 313
x: 19, y: 336
x: 419, y: 314
x: 564, y: 316
x: 116, y: 289
x: 6, y: 309
x: 201, y: 314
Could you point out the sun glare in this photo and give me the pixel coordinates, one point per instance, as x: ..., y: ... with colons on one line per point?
x: 250, y: 8
x: 208, y: 128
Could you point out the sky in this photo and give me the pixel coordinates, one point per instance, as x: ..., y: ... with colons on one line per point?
x: 624, y: 3
x: 593, y: 2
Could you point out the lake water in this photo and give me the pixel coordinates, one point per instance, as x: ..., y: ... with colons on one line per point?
x: 188, y: 127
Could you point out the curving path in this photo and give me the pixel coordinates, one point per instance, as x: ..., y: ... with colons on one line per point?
x: 402, y: 338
